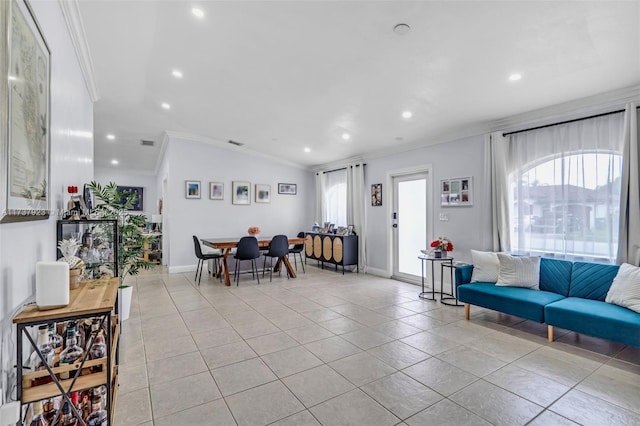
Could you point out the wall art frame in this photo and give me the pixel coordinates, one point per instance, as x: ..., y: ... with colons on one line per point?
x: 263, y: 193
x: 456, y: 192
x: 241, y: 193
x: 288, y: 188
x: 216, y: 191
x: 25, y: 111
x: 376, y: 194
x: 192, y: 189
x: 138, y: 205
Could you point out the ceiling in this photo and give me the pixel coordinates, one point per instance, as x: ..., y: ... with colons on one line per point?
x: 281, y: 76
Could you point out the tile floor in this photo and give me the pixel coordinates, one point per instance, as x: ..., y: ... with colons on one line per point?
x: 355, y: 350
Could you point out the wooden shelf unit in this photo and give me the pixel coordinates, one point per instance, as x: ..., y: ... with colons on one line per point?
x: 97, y: 298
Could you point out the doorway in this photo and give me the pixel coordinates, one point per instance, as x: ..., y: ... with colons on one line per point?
x: 410, y: 224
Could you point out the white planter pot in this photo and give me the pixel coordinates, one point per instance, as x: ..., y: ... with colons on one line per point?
x: 124, y: 302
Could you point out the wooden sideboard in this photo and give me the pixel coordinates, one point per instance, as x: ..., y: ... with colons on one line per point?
x: 330, y: 248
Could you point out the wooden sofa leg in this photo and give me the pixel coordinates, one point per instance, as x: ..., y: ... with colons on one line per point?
x: 467, y: 310
x: 550, y: 333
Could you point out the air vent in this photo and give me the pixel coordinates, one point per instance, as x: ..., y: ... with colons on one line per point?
x: 147, y: 143
x: 236, y: 143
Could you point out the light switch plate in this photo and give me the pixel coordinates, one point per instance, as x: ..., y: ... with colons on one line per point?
x: 444, y: 216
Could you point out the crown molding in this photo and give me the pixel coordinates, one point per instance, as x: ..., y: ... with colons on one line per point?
x: 71, y: 13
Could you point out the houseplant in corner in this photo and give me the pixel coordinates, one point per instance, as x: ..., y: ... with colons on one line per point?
x: 114, y: 204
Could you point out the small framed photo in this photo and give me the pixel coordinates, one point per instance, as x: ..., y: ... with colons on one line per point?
x: 376, y: 194
x: 241, y: 193
x: 192, y: 189
x: 263, y: 193
x: 350, y: 230
x: 287, y: 188
x: 216, y: 191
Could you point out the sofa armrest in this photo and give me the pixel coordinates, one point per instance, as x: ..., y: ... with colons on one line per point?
x: 463, y: 274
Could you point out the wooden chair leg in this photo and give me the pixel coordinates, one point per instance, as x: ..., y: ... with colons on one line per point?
x: 467, y: 310
x: 550, y: 333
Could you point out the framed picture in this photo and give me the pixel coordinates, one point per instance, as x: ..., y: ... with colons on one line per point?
x: 263, y: 193
x: 350, y: 230
x: 456, y: 192
x: 216, y: 191
x: 25, y: 131
x: 138, y: 204
x: 287, y: 188
x: 241, y: 193
x: 376, y: 194
x: 192, y: 189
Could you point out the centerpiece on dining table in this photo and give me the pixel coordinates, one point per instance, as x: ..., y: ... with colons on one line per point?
x: 254, y: 231
x: 441, y: 246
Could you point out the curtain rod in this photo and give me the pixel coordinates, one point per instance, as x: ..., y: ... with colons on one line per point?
x: 564, y: 122
x: 341, y: 168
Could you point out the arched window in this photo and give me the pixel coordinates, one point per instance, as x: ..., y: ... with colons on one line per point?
x: 567, y: 205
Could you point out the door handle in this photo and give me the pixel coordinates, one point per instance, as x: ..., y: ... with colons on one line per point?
x: 395, y: 225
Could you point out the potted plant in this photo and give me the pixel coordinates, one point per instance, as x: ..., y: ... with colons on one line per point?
x: 441, y: 246
x: 114, y: 204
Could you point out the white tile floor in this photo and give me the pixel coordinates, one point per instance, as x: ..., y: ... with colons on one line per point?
x: 354, y: 350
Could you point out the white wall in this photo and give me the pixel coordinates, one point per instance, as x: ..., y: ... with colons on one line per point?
x: 467, y: 227
x: 127, y: 178
x: 207, y: 162
x: 23, y: 244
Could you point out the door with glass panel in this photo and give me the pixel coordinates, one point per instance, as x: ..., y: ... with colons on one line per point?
x: 409, y: 224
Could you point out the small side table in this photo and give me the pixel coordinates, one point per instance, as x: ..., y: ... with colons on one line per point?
x: 454, y: 293
x: 433, y: 260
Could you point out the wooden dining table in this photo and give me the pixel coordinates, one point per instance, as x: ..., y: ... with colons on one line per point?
x: 226, y: 244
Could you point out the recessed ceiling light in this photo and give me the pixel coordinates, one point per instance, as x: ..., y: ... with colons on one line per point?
x: 166, y: 105
x: 401, y: 29
x: 198, y: 13
x: 177, y: 73
x: 114, y: 162
x: 111, y: 137
x: 399, y: 138
x: 515, y: 77
x: 407, y: 114
x: 346, y: 136
x: 307, y: 149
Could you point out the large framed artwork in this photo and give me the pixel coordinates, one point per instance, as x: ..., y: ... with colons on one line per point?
x: 25, y: 193
x: 456, y: 192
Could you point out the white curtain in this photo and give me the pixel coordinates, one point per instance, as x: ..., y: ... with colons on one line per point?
x: 629, y: 239
x: 320, y: 201
x: 496, y: 178
x: 565, y: 189
x: 356, y: 212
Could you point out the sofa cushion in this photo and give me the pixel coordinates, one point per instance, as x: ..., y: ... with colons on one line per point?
x: 521, y: 302
x: 485, y: 266
x: 625, y: 289
x: 595, y: 318
x: 517, y: 271
x: 555, y: 275
x: 591, y: 280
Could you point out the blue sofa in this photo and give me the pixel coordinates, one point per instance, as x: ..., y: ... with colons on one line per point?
x: 571, y: 297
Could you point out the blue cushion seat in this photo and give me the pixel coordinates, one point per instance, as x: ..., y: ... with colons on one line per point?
x: 595, y: 318
x: 518, y: 301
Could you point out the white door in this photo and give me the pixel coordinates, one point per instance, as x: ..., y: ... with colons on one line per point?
x: 409, y: 224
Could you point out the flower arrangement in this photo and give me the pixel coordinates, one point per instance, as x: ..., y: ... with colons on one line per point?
x: 253, y: 230
x: 442, y: 244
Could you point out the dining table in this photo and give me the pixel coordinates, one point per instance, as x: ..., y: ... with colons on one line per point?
x: 227, y: 244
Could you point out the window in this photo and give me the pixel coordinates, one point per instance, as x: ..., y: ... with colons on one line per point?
x: 565, y: 190
x: 336, y: 197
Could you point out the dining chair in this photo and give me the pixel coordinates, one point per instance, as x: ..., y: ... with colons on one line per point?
x: 203, y: 257
x: 278, y: 248
x: 247, y: 250
x: 297, y: 249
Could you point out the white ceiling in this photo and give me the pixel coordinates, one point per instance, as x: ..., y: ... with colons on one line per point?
x: 280, y: 76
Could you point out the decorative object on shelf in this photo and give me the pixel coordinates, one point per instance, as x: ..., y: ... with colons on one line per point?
x: 52, y: 285
x: 192, y: 189
x: 287, y: 188
x: 69, y: 248
x: 241, y: 193
x: 456, y: 192
x: 441, y: 246
x: 216, y: 191
x: 137, y: 197
x: 254, y: 231
x: 25, y: 116
x: 263, y: 193
x: 376, y: 194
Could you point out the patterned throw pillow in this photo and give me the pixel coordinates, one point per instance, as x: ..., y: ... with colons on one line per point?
x: 519, y: 271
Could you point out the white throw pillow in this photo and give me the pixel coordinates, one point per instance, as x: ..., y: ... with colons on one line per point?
x: 485, y: 266
x: 625, y: 288
x: 519, y: 271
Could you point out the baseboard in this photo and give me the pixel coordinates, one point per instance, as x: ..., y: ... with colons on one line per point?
x: 378, y: 272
